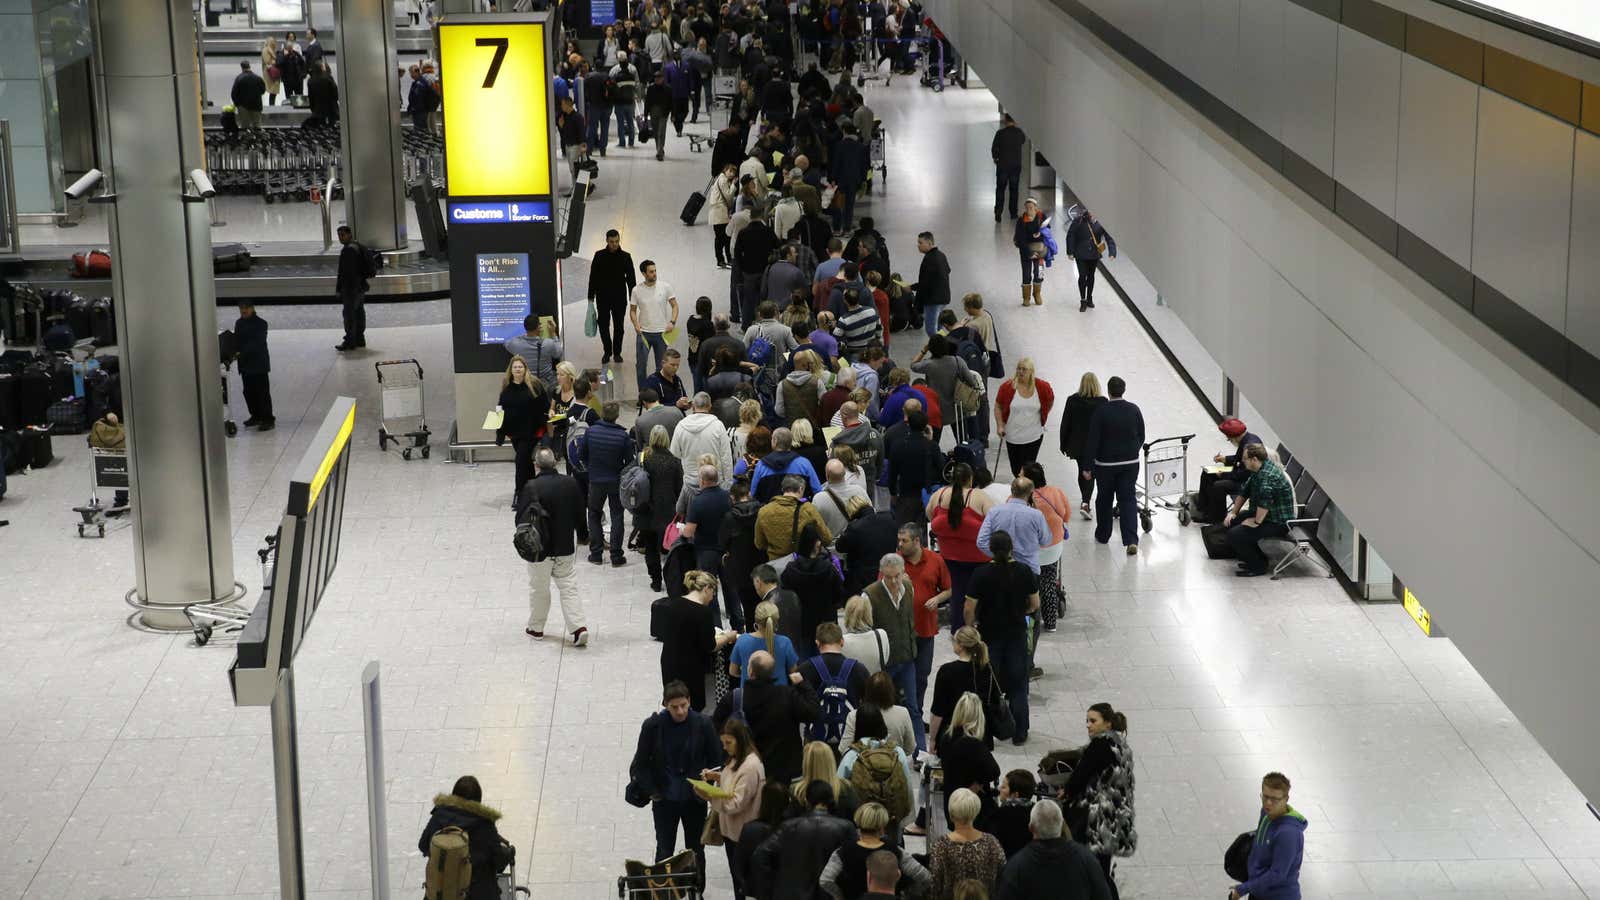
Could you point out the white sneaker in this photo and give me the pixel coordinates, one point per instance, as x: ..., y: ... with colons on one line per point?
x: 580, y: 638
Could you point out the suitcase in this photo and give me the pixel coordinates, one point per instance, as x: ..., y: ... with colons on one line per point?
x: 103, y: 322
x: 646, y: 130
x: 35, y: 393
x: 91, y: 264
x: 69, y: 416
x: 226, y: 258
x: 79, y: 318
x: 12, y: 460
x: 691, y: 210
x: 1215, y: 538
x: 36, y: 447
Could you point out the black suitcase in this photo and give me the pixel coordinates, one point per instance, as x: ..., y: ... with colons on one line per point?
x: 691, y: 210
x: 80, y: 318
x: 103, y: 322
x: 35, y: 393
x: 1215, y: 538
x: 12, y: 459
x: 36, y: 447
x: 226, y: 258
x: 69, y: 416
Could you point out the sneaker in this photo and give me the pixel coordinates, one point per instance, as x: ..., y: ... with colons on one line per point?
x: 1035, y: 673
x: 1050, y: 629
x: 267, y: 425
x: 531, y: 633
x: 1133, y: 550
x: 580, y: 638
x: 1083, y: 508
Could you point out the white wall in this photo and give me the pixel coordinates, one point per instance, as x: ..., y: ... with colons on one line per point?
x: 1451, y: 453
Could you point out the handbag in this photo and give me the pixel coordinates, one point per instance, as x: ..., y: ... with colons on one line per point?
x: 996, y: 713
x: 1036, y: 249
x: 711, y: 834
x: 671, y: 533
x: 997, y: 365
x: 968, y: 398
x: 591, y: 321
x: 274, y: 73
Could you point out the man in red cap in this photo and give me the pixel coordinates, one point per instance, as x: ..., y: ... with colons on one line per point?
x: 1216, y: 488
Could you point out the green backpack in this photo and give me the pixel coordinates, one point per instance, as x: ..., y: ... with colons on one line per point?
x: 879, y: 777
x: 449, y: 865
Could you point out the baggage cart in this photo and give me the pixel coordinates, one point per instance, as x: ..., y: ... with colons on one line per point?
x: 872, y: 66
x: 205, y: 619
x: 878, y: 151
x: 1166, y: 479
x: 670, y: 879
x: 405, y: 415
x: 108, y: 470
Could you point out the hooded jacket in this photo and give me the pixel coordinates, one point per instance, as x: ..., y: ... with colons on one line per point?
x: 702, y: 432
x: 489, y: 852
x: 1055, y: 867
x: 782, y: 462
x: 780, y: 522
x: 1275, y: 858
x: 798, y: 398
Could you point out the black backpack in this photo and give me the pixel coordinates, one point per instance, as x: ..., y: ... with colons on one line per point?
x: 533, y: 527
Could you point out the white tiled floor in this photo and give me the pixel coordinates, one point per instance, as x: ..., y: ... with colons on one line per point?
x: 125, y: 771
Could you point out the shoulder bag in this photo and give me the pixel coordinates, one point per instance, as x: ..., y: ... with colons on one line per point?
x: 996, y: 713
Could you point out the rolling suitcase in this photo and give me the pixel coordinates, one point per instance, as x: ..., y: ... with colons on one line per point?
x: 103, y: 322
x: 691, y: 210
x: 35, y: 393
x: 79, y: 317
x: 227, y: 258
x: 36, y: 447
x: 1215, y: 538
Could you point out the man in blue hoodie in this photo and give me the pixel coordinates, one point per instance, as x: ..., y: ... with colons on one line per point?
x: 1275, y: 854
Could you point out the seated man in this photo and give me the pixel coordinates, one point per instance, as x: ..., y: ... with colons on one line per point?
x: 1271, y: 500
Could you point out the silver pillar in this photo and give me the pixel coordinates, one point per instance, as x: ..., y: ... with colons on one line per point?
x: 369, y: 106
x: 166, y: 306
x: 286, y: 785
x: 377, y: 804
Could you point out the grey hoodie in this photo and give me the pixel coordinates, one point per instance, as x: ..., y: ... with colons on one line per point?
x: 703, y: 433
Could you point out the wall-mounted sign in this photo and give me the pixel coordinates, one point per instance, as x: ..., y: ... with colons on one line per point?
x: 505, y: 296
x: 1417, y: 612
x: 602, y: 13
x: 496, y: 108
x: 487, y: 213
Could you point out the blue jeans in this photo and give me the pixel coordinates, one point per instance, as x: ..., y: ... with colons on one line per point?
x: 599, y: 132
x: 657, y: 343
x: 924, y: 665
x: 625, y: 130
x: 1117, y: 484
x: 1009, y: 657
x: 599, y: 495
x: 905, y: 680
x: 930, y: 318
x: 960, y: 574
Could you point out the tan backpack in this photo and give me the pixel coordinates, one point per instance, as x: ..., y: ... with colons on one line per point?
x: 449, y: 865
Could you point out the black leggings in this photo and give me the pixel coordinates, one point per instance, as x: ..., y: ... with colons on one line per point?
x: 1086, y: 269
x: 524, y: 448
x: 1020, y: 455
x: 719, y: 243
x: 1085, y: 485
x: 612, y: 314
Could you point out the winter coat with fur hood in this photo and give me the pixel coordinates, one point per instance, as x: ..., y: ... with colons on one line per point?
x: 490, y: 853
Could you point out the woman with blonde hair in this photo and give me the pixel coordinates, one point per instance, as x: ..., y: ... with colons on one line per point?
x: 666, y: 479
x: 969, y: 673
x: 765, y: 637
x: 863, y: 643
x: 270, y: 73
x: 749, y: 419
x: 807, y: 445
x: 689, y: 638
x: 965, y: 852
x: 817, y: 763
x: 1075, y: 416
x: 1021, y: 410
x: 525, y: 408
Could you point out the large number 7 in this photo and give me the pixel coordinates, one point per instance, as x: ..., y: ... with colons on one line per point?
x: 499, y: 45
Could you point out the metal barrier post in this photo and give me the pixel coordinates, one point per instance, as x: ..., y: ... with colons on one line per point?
x: 377, y: 812
x: 286, y: 783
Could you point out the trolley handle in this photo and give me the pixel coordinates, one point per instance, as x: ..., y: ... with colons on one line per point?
x: 378, y: 366
x: 1185, y: 438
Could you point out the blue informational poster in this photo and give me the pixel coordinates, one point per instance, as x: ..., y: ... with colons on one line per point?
x: 602, y: 12
x: 505, y: 296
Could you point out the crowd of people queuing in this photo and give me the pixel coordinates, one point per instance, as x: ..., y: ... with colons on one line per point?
x: 783, y: 470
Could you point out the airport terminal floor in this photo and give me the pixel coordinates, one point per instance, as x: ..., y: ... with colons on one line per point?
x: 126, y: 770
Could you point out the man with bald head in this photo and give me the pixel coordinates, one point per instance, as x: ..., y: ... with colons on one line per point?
x: 775, y: 705
x: 839, y: 499
x: 703, y: 527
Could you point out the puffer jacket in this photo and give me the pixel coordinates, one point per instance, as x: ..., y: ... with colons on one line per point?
x: 792, y: 859
x: 1100, y: 796
x: 489, y: 852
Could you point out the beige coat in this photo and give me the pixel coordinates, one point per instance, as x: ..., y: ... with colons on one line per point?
x: 745, y: 783
x: 269, y: 58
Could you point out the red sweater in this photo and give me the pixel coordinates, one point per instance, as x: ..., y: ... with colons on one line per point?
x: 1008, y: 390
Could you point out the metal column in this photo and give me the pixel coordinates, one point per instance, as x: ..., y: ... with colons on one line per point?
x: 286, y: 784
x: 166, y: 307
x: 369, y: 106
x: 377, y: 803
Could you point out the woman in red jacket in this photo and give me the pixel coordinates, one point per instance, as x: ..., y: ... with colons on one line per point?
x: 1021, y: 409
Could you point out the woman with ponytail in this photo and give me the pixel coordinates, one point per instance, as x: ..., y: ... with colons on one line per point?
x: 689, y: 638
x: 969, y: 672
x: 955, y: 516
x: 765, y: 637
x: 1098, y: 798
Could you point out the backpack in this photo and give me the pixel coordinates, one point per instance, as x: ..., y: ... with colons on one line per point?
x: 533, y: 530
x: 835, y: 697
x: 634, y: 485
x: 879, y: 777
x: 575, y: 446
x: 761, y: 351
x: 766, y: 383
x: 371, y: 261
x: 738, y: 707
x: 449, y: 865
x: 971, y: 351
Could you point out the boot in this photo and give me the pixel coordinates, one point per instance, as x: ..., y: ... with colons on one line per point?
x: 1025, y: 301
x: 1038, y: 294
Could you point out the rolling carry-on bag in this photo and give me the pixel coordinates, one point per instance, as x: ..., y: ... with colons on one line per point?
x: 1215, y: 537
x: 36, y: 448
x: 691, y: 210
x: 10, y: 409
x: 227, y: 258
x: 102, y: 322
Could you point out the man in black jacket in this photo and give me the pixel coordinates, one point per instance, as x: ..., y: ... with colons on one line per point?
x: 752, y: 251
x: 913, y: 465
x: 1113, y: 453
x: 675, y: 744
x: 611, y: 282
x: 323, y: 92
x: 574, y: 134
x: 563, y: 528
x: 792, y: 859
x: 354, y: 270
x: 248, y: 89
x: 728, y: 148
x: 764, y: 578
x: 933, y: 282
x: 1052, y: 865
x: 775, y: 713
x: 1006, y: 150
x: 254, y: 365
x: 597, y: 109
x: 847, y: 166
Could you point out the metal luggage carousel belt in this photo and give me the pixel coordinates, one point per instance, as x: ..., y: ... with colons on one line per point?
x: 286, y: 278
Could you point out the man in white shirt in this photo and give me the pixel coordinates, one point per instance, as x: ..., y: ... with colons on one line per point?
x: 653, y: 310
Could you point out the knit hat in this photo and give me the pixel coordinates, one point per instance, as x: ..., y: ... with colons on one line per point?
x: 1231, y: 427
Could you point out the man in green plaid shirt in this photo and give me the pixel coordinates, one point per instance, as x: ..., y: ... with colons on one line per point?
x: 1272, y: 505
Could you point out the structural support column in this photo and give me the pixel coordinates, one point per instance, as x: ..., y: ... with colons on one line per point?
x: 369, y: 105
x: 166, y: 307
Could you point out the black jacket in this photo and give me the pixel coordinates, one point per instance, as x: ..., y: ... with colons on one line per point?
x: 792, y: 859
x: 774, y: 713
x: 729, y: 148
x: 666, y: 481
x: 1080, y: 244
x: 1006, y: 148
x: 612, y: 276
x: 913, y: 465
x: 251, y: 332
x: 352, y: 270
x: 753, y: 250
x: 1025, y: 232
x: 933, y: 279
x: 323, y: 92
x: 1076, y: 414
x: 652, y: 766
x: 657, y: 99
x: 314, y: 54
x: 488, y: 850
x: 864, y: 544
x: 1116, y: 435
x: 1054, y: 867
x: 526, y: 412
x: 821, y: 593
x: 247, y: 91
x: 563, y: 503
x: 1008, y: 822
x: 847, y: 163
x: 572, y: 128
x: 421, y: 98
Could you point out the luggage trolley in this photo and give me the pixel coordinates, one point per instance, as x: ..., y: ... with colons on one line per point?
x: 402, y: 402
x: 878, y: 152
x: 677, y: 878
x: 1166, y: 475
x: 206, y: 618
x: 108, y: 471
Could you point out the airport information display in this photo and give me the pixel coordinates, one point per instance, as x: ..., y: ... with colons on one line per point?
x: 602, y: 13
x: 505, y: 296
x: 497, y: 114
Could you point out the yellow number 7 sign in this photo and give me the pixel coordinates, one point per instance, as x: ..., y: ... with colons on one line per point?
x: 496, y: 108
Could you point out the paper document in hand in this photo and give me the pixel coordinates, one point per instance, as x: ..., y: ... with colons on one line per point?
x: 710, y: 790
x: 493, y: 420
